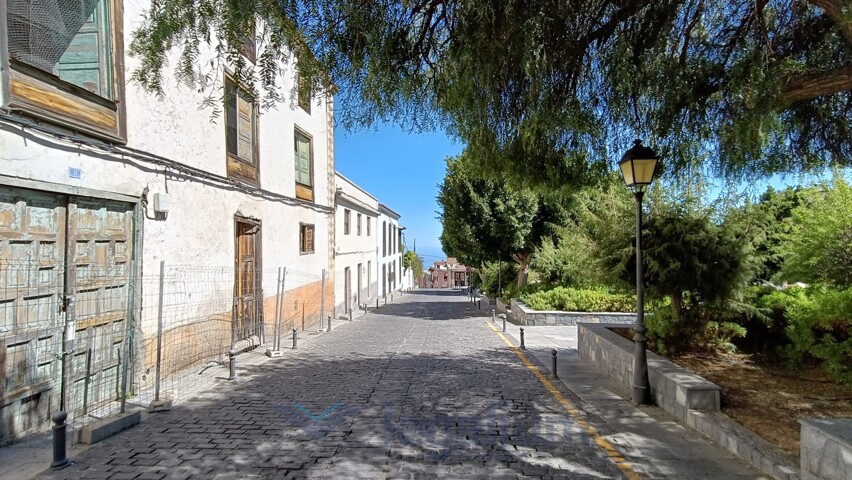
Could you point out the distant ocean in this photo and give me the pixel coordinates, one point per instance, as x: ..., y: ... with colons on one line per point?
x: 430, y: 255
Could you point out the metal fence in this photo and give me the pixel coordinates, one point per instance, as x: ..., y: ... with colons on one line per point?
x: 116, y: 339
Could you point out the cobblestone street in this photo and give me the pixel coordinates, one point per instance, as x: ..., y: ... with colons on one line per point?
x: 421, y: 388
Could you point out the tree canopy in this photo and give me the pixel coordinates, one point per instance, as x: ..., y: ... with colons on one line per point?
x: 485, y: 220
x: 741, y: 87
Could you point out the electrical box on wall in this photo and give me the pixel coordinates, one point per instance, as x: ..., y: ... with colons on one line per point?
x: 161, y: 203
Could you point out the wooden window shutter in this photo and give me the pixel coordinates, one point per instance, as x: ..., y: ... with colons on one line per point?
x: 245, y: 129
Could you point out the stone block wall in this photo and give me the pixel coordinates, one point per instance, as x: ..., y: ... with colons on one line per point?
x: 674, y: 389
x: 690, y: 398
x: 524, y: 315
x: 826, y: 448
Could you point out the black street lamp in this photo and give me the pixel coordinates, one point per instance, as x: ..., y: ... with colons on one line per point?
x: 638, y: 166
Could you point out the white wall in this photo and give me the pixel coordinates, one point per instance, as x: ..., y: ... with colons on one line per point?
x: 353, y: 249
x: 199, y: 229
x: 393, y: 258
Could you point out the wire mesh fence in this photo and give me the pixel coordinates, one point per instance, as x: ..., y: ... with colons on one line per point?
x: 92, y: 339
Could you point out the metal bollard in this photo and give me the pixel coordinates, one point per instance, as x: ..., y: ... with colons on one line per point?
x: 553, y: 362
x: 523, y: 347
x: 503, y: 316
x: 377, y: 303
x: 493, y: 316
x: 329, y: 323
x: 350, y: 314
x: 479, y: 304
x: 295, y: 338
x: 60, y: 461
x: 386, y: 299
x: 232, y: 364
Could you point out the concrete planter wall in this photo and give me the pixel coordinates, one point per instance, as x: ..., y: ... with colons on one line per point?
x: 502, y: 307
x: 689, y: 397
x: 826, y: 448
x: 524, y: 315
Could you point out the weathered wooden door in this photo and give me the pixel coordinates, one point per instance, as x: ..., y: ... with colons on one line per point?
x: 57, y: 251
x: 360, y: 273
x: 32, y: 257
x: 347, y: 290
x: 100, y: 282
x: 247, y: 283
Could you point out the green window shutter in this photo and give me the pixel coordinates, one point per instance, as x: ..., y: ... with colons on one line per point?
x: 303, y: 160
x: 87, y: 62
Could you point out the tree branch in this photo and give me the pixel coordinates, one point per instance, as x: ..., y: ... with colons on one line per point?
x: 808, y: 86
x: 837, y: 11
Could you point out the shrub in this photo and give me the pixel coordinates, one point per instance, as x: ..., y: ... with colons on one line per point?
x: 492, y: 279
x: 697, y: 328
x: 575, y: 300
x: 762, y: 311
x: 820, y: 326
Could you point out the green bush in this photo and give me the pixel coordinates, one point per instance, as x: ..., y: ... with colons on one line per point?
x: 697, y: 328
x: 575, y: 300
x: 492, y: 279
x: 820, y: 326
x: 762, y: 311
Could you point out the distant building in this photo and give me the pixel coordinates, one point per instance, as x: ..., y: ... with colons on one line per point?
x: 356, y: 218
x: 447, y: 273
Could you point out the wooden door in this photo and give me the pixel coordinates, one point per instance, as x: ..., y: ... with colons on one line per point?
x: 57, y: 252
x: 247, y: 316
x: 359, y: 274
x: 32, y: 258
x: 100, y: 282
x: 347, y: 290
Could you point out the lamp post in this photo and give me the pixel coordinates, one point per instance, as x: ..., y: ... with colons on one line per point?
x: 638, y: 166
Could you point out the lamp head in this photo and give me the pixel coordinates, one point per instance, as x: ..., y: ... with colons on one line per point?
x: 638, y: 166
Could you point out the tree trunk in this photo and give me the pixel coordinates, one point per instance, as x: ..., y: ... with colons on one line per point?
x: 677, y: 304
x: 523, y: 259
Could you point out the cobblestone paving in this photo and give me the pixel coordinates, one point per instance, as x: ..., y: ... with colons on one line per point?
x: 418, y: 389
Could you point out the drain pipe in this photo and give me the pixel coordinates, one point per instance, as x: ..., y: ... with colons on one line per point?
x: 5, y: 73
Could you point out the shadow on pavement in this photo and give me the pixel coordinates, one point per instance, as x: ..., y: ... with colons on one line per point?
x: 360, y: 415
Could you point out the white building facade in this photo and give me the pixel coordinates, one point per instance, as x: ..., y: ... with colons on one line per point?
x: 356, y: 216
x: 389, y: 248
x: 101, y: 181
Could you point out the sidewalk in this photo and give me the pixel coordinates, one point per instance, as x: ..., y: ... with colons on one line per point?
x: 673, y: 449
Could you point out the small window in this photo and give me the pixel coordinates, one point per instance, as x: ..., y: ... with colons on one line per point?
x: 306, y: 238
x: 304, y: 159
x: 368, y: 226
x: 240, y: 127
x: 358, y: 226
x: 384, y: 239
x: 346, y: 215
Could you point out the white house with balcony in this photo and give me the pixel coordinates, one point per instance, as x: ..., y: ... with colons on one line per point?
x: 100, y: 181
x: 356, y: 215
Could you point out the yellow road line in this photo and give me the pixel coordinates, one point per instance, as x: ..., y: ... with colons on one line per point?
x: 600, y: 441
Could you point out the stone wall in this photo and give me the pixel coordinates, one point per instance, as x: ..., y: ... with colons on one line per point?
x: 523, y: 315
x: 690, y: 398
x: 826, y: 448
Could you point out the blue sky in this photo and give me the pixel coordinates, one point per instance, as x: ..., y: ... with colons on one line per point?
x: 402, y: 170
